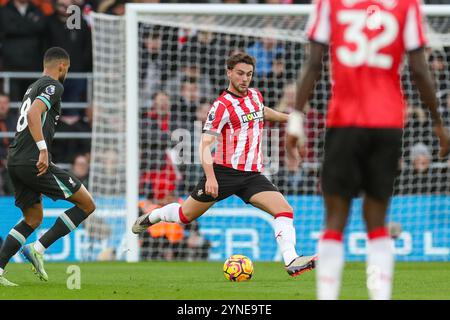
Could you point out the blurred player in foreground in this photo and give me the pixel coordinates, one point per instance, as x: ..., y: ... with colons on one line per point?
x: 236, y: 119
x: 33, y: 173
x: 367, y: 41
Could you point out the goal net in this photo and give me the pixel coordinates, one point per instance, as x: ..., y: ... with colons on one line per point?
x: 156, y: 73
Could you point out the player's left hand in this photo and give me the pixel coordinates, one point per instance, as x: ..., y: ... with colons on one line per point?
x: 42, y: 163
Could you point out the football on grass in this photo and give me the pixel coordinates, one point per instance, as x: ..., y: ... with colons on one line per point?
x: 238, y: 268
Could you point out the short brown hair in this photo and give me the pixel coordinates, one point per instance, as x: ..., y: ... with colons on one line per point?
x: 240, y: 57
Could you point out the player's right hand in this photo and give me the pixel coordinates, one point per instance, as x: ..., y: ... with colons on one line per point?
x: 444, y: 140
x: 212, y: 187
x: 42, y: 163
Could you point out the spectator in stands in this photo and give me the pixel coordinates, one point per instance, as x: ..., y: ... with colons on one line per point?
x: 314, y: 123
x: 417, y: 129
x: 46, y: 6
x: 420, y: 176
x: 8, y: 123
x: 272, y: 83
x: 64, y: 149
x: 77, y: 42
x: 80, y: 168
x: 420, y: 157
x: 158, y: 173
x: 84, y: 125
x: 188, y: 98
x: 203, y: 54
x: 191, y: 170
x: 265, y: 51
x: 152, y: 65
x: 190, y: 69
x: 23, y: 26
x: 439, y: 68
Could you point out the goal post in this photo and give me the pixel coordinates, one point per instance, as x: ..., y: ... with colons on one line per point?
x: 195, y: 38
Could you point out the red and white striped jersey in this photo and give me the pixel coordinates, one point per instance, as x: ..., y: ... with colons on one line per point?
x: 368, y: 39
x: 238, y: 124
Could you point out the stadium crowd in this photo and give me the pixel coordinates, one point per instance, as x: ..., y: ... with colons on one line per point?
x: 183, y: 65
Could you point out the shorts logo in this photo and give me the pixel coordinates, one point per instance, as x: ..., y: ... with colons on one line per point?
x: 252, y: 116
x: 199, y: 192
x: 72, y: 182
x: 50, y: 90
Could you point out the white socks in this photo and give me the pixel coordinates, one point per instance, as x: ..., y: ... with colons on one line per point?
x: 168, y: 213
x: 380, y: 265
x: 330, y: 263
x: 1, y: 271
x: 39, y: 247
x: 285, y: 236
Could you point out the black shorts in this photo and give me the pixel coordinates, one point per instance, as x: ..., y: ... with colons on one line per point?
x: 28, y: 187
x: 360, y: 159
x: 244, y: 184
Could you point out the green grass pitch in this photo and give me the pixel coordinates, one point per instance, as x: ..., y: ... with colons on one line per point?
x: 205, y: 281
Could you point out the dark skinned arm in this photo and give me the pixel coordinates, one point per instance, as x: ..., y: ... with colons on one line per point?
x: 424, y: 83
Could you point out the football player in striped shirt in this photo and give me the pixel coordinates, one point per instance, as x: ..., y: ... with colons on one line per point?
x: 236, y: 120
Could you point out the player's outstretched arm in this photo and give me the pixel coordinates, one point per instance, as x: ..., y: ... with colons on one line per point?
x: 422, y: 77
x: 206, y: 159
x: 34, y: 116
x: 274, y: 116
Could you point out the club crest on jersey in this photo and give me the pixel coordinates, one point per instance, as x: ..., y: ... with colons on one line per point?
x: 50, y: 90
x: 252, y: 116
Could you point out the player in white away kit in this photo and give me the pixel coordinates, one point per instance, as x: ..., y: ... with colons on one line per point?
x: 367, y: 40
x: 236, y: 119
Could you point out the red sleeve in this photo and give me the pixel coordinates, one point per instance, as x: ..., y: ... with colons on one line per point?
x: 413, y: 32
x: 318, y: 29
x: 218, y: 116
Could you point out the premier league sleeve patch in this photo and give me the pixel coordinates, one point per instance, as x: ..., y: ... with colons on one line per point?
x: 50, y: 90
x: 212, y: 116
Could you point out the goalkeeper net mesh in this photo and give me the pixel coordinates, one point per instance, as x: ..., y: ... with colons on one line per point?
x: 181, y: 72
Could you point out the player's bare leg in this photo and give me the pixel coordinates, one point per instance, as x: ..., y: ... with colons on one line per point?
x: 17, y: 236
x: 66, y: 223
x: 185, y: 213
x: 331, y: 249
x: 380, y: 255
x: 275, y: 204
